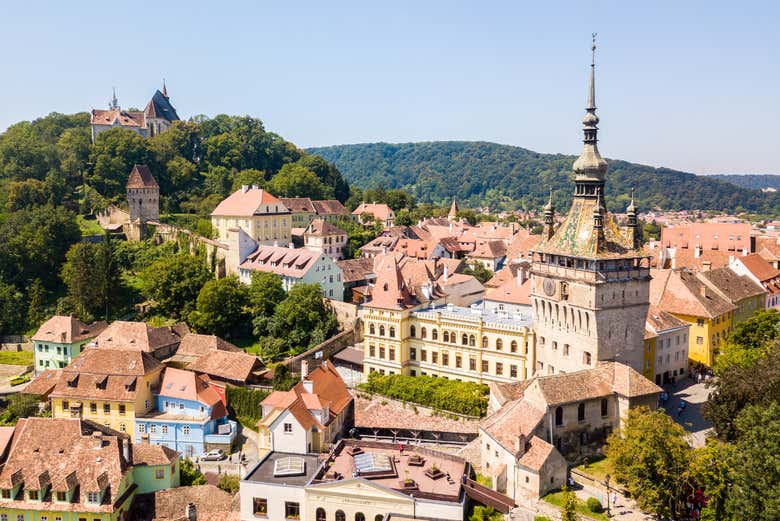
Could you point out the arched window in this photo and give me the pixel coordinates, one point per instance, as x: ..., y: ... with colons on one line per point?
x: 499, y: 344
x: 423, y: 333
x: 513, y: 346
x: 381, y: 330
x: 360, y: 517
x: 446, y: 336
x: 379, y: 517
x: 371, y: 329
x: 453, y: 337
x: 472, y: 340
x: 435, y: 334
x: 320, y: 515
x: 464, y: 339
x: 340, y: 515
x: 484, y: 342
x: 392, y: 332
x: 559, y: 416
x: 581, y: 412
x: 412, y: 331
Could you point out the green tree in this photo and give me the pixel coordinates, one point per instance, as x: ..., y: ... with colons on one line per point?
x: 649, y: 456
x: 283, y: 379
x: 749, y: 341
x: 303, y: 319
x: 222, y: 307
x: 755, y: 492
x: 25, y: 194
x: 229, y: 483
x: 265, y: 293
x: 479, y: 272
x: 569, y: 507
x: 12, y: 319
x: 20, y: 406
x: 36, y: 307
x: 483, y: 513
x: 294, y: 180
x: 92, y: 278
x: 113, y: 155
x: 174, y: 283
x: 249, y: 177
x: 189, y: 475
x: 711, y: 469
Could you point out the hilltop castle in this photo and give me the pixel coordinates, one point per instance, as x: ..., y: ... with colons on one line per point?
x: 157, y: 117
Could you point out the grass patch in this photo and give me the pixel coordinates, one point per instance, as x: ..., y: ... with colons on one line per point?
x: 17, y: 357
x: 88, y: 226
x: 248, y: 344
x: 486, y: 481
x: 556, y: 498
x: 596, y: 469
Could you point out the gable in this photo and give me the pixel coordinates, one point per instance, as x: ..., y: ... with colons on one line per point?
x: 359, y: 489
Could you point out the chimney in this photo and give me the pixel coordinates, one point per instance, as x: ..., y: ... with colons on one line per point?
x: 304, y: 369
x: 276, y: 243
x: 697, y: 251
x: 703, y: 291
x: 97, y: 439
x: 255, y: 187
x: 290, y: 245
x: 706, y: 266
x: 191, y: 512
x: 446, y: 273
x: 244, y: 189
x: 126, y: 450
x: 744, y: 252
x: 308, y: 386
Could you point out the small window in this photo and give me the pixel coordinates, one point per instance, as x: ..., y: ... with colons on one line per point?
x: 604, y: 407
x: 412, y: 331
x: 559, y: 416
x: 288, y: 427
x: 33, y: 494
x: 381, y: 330
x: 423, y: 333
x: 122, y: 409
x: 159, y: 474
x: 141, y: 428
x: 186, y: 430
x: 581, y: 412
x: 435, y: 334
x: 153, y: 429
x: 93, y: 407
x: 513, y: 346
x: 292, y: 510
x: 260, y: 506
x: 165, y: 429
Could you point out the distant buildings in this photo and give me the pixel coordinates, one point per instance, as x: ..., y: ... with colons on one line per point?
x: 159, y: 342
x: 260, y: 215
x: 156, y: 118
x: 320, y: 235
x: 60, y: 339
x: 304, y: 210
x: 380, y: 213
x: 669, y: 355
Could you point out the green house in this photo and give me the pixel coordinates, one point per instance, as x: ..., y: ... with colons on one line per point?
x: 60, y: 339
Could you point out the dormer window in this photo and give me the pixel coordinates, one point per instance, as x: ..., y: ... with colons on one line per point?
x: 62, y: 496
x: 93, y: 497
x: 5, y: 493
x: 33, y: 495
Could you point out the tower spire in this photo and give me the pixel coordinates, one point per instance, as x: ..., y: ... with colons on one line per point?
x: 165, y: 89
x: 549, y: 217
x: 114, y: 105
x: 590, y: 168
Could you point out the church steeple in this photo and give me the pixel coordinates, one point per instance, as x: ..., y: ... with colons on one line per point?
x: 165, y: 89
x: 114, y: 105
x: 590, y: 168
x: 453, y: 210
x: 549, y: 217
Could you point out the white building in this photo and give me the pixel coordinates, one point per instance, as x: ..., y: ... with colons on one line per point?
x: 671, y: 345
x: 322, y: 236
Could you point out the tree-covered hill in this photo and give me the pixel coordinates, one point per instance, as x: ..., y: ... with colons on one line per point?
x: 511, y: 177
x: 753, y: 181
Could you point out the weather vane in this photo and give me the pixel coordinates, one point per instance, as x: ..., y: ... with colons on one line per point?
x: 593, y: 47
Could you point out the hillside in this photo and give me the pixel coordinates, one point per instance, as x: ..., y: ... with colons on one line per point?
x: 512, y: 177
x: 753, y: 181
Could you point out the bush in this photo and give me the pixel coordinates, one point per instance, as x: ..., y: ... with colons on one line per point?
x: 189, y: 474
x: 594, y: 505
x: 229, y: 483
x: 542, y: 518
x: 439, y: 393
x: 246, y: 403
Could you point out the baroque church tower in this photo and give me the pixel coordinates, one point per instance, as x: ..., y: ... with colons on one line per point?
x: 590, y: 278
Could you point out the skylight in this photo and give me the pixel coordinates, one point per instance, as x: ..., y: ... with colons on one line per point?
x: 370, y: 462
x: 289, y: 466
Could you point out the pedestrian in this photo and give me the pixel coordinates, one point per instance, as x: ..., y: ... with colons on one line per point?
x: 614, y: 499
x: 698, y: 377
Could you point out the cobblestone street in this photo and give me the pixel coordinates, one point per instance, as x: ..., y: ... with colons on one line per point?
x: 691, y: 419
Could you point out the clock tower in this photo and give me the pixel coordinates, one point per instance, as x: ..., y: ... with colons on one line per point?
x: 590, y: 278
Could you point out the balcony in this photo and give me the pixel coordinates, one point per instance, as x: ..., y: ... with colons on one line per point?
x: 225, y: 434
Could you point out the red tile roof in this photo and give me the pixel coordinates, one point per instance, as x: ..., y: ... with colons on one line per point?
x: 139, y: 336
x: 759, y: 267
x: 292, y: 262
x: 141, y: 177
x: 227, y: 365
x: 245, y: 203
x: 381, y: 212
x: 67, y: 330
x: 329, y: 207
x: 194, y: 344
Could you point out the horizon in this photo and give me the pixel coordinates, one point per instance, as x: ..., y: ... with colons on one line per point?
x: 667, y: 75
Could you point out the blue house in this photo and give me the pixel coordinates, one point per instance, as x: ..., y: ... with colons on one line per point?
x: 190, y: 417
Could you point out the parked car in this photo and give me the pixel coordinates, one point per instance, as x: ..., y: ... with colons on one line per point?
x: 214, y: 455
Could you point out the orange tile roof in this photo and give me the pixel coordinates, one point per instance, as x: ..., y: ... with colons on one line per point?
x: 538, y: 453
x: 227, y: 365
x: 681, y: 292
x: 381, y: 212
x: 43, y: 383
x: 329, y: 386
x: 139, y: 336
x: 194, y: 344
x: 759, y: 267
x: 734, y: 287
x: 389, y: 290
x: 66, y: 330
x: 141, y: 177
x: 245, y: 203
x: 329, y: 207
x: 147, y: 454
x: 298, y: 204
x: 320, y: 227
x: 292, y: 262
x: 514, y: 420
x: 122, y: 117
x: 659, y: 320
x: 511, y: 292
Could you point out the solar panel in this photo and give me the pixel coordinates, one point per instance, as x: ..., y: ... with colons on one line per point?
x: 372, y: 462
x: 289, y: 466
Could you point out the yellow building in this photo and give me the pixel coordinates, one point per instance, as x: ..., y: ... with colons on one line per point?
x: 108, y: 387
x: 258, y: 213
x: 404, y: 336
x: 648, y: 366
x: 741, y: 291
x: 683, y: 294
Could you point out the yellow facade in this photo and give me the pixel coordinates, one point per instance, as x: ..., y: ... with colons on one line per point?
x: 264, y: 228
x: 448, y: 344
x: 648, y: 366
x: 705, y: 336
x: 117, y: 414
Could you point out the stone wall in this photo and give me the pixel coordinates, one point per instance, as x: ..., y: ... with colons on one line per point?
x: 315, y: 356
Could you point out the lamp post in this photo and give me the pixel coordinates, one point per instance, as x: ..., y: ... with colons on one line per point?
x: 606, y: 482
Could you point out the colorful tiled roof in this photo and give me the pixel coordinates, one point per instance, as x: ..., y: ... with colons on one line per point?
x: 66, y: 330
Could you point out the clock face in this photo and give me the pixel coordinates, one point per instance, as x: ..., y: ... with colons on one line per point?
x: 549, y: 287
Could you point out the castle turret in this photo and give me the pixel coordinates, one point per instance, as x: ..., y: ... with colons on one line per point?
x: 143, y: 195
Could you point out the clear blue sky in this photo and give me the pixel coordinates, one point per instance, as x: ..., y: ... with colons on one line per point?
x: 689, y: 85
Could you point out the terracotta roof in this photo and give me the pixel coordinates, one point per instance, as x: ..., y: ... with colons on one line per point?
x: 67, y: 330
x: 321, y: 227
x: 211, y: 504
x: 376, y: 414
x: 141, y: 177
x: 521, y: 246
x: 245, y: 203
x: 148, y: 454
x: 105, y: 374
x: 688, y: 258
x: 6, y: 435
x: 118, y: 117
x: 186, y: 385
x: 514, y: 421
x: 44, y: 383
x: 298, y: 204
x: 389, y: 290
x: 291, y: 262
x: 139, y: 336
x: 381, y: 212
x: 734, y: 287
x: 329, y: 207
x: 329, y: 386
x: 193, y: 344
x: 511, y: 292
x: 355, y: 270
x: 226, y: 365
x: 759, y: 267
x: 505, y: 392
x: 493, y: 249
x: 768, y: 247
x: 63, y: 452
x: 659, y: 320
x: 539, y: 451
x: 280, y: 399
x: 606, y: 378
x: 681, y: 292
